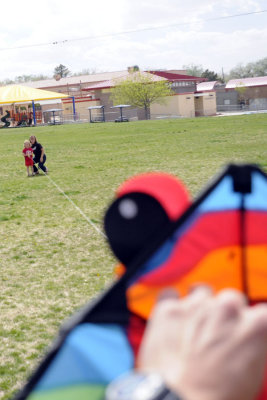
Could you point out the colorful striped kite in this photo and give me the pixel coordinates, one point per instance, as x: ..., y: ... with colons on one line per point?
x: 162, y: 241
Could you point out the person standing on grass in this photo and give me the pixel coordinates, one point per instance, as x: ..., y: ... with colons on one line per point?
x: 39, y: 155
x: 28, y: 156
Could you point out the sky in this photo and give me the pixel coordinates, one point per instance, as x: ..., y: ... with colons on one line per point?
x: 104, y: 35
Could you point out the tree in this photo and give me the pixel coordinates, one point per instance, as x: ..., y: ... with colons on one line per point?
x: 141, y: 90
x: 258, y: 68
x: 239, y: 71
x: 210, y: 75
x: 194, y: 69
x: 241, y: 90
x: 30, y: 78
x: 40, y: 77
x: 61, y: 71
x: 6, y: 82
x: 86, y: 71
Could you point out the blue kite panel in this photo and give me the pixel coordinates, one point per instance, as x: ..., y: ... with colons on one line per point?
x: 221, y: 198
x: 91, y: 354
x: 257, y: 199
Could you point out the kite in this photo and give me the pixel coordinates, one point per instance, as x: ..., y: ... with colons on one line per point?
x: 163, y: 240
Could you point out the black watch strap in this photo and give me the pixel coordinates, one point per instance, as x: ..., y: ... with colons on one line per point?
x: 167, y: 394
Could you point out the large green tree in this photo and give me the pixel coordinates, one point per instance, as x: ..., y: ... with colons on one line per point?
x: 61, y: 71
x: 141, y: 90
x: 210, y: 75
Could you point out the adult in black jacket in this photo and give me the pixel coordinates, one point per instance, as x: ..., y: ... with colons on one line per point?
x: 39, y: 155
x: 5, y: 121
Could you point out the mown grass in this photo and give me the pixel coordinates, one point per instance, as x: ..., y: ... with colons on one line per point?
x: 52, y: 261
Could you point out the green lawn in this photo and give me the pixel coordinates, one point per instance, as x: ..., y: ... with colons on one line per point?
x: 52, y: 260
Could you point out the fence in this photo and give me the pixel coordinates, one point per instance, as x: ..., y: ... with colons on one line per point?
x: 241, y: 108
x: 132, y: 115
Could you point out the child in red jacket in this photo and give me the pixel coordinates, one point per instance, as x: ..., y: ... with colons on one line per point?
x: 28, y: 155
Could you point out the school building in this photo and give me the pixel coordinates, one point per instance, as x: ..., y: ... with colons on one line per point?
x: 94, y: 90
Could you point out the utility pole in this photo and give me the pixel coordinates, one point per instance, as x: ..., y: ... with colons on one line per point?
x: 223, y: 75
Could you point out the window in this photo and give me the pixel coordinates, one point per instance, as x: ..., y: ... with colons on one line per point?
x: 181, y: 83
x: 226, y: 102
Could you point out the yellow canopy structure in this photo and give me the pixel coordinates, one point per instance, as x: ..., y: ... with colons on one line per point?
x: 19, y: 93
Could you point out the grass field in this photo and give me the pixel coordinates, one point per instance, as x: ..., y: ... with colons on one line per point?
x: 52, y: 260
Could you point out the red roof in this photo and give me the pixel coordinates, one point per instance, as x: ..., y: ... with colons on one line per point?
x: 112, y: 82
x: 177, y: 77
x: 246, y: 82
x: 101, y: 85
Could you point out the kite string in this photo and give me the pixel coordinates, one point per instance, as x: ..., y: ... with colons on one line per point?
x: 75, y: 206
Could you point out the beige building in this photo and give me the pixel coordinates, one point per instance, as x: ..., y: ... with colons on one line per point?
x: 205, y: 104
x: 238, y: 94
x: 178, y: 105
x: 252, y: 92
x: 185, y: 101
x: 186, y: 105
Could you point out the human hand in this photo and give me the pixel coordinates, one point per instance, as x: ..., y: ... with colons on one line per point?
x: 207, y: 347
x: 41, y: 159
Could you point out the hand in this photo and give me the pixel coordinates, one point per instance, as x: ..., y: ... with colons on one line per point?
x: 207, y: 348
x: 41, y: 159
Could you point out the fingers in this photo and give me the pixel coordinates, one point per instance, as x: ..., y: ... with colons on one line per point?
x: 169, y: 306
x: 199, y: 294
x: 187, y: 339
x: 168, y: 293
x: 260, y: 317
x: 229, y: 303
x: 217, y: 318
x: 255, y: 321
x: 215, y: 312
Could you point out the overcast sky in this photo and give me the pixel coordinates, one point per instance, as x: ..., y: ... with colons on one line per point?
x: 104, y: 35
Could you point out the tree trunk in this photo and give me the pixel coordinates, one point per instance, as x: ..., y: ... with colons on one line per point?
x: 147, y: 112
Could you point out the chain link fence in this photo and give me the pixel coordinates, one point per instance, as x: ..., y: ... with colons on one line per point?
x: 253, y: 107
x: 133, y: 115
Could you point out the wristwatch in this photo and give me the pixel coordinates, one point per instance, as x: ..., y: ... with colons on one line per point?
x: 139, y: 386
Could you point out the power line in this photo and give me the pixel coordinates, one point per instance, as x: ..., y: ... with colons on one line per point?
x: 109, y: 35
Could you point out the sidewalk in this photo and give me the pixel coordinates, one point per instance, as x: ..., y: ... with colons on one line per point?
x: 229, y: 113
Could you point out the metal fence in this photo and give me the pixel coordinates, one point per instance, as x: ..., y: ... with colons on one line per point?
x: 132, y: 115
x: 241, y: 108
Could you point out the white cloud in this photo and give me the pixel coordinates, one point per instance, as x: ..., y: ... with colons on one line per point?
x: 212, y: 44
